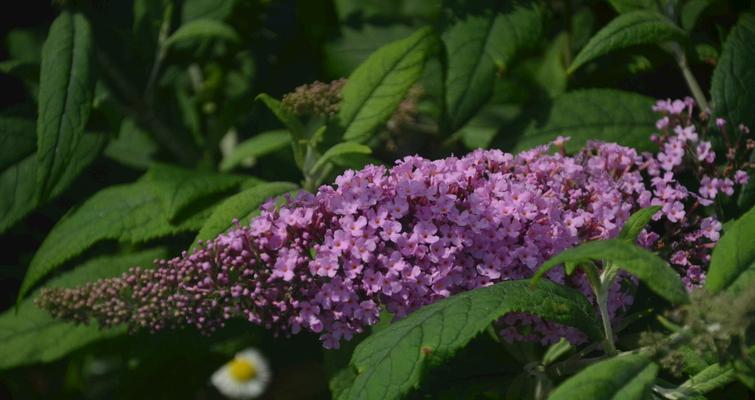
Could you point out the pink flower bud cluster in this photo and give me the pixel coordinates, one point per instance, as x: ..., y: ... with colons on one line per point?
x: 398, y: 239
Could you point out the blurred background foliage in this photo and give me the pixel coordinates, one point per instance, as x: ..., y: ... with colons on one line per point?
x: 172, y: 128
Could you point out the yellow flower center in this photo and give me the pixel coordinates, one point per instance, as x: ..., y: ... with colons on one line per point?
x: 241, y: 370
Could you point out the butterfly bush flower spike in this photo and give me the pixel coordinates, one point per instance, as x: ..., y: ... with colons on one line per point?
x: 403, y: 237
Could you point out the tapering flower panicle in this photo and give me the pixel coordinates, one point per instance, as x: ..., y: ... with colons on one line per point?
x: 404, y: 237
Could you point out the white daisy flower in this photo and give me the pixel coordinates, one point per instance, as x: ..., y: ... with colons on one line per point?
x: 244, y: 377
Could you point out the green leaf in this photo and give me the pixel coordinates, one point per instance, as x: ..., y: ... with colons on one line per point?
x: 17, y: 139
x: 255, y: 147
x: 203, y: 28
x: 650, y: 268
x: 133, y: 147
x: 710, y: 378
x: 626, y: 377
x: 477, y: 47
x: 732, y: 264
x: 595, y: 114
x: 131, y: 213
x: 17, y: 191
x: 179, y: 188
x: 556, y: 351
x: 375, y: 89
x: 291, y: 122
x: 623, y: 6
x: 630, y: 29
x: 206, y: 9
x: 390, y: 363
x: 691, y: 11
x: 734, y: 77
x: 636, y: 223
x: 344, y: 54
x: 340, y: 149
x: 242, y: 207
x: 33, y: 336
x: 66, y: 90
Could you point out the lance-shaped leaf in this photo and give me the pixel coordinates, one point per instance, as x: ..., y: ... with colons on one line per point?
x: 202, y: 29
x: 650, y: 268
x: 179, y: 188
x: 340, y: 149
x: 477, y: 48
x: 242, y: 206
x: 375, y: 89
x: 732, y: 264
x: 609, y: 115
x: 66, y: 89
x: 32, y: 335
x: 636, y: 223
x: 630, y: 29
x: 255, y: 147
x: 626, y: 377
x: 391, y: 362
x: 291, y: 122
x: 131, y: 213
x: 734, y: 76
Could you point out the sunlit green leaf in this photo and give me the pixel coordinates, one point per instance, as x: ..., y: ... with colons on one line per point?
x: 626, y: 377
x: 391, y: 362
x: 379, y: 84
x: 630, y: 29
x: 33, y: 336
x: 732, y: 264
x: 651, y: 269
x: 255, y: 147
x: 242, y: 207
x: 131, y: 213
x: 65, y: 100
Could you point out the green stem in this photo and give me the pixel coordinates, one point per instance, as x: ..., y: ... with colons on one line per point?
x: 161, y: 52
x: 602, y: 290
x: 689, y: 78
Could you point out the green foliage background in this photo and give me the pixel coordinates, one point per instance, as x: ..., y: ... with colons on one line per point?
x: 132, y: 129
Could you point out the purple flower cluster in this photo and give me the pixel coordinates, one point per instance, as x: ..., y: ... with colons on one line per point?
x: 400, y: 238
x: 683, y: 151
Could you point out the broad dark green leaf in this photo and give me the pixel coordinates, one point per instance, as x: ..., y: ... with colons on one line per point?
x: 291, y: 122
x: 732, y: 264
x: 379, y: 84
x: 650, y: 268
x: 637, y: 222
x: 65, y: 100
x: 391, y: 362
x: 131, y: 213
x: 33, y: 336
x: 179, y: 188
x: 202, y: 29
x: 255, y: 147
x: 626, y: 377
x: 595, y: 114
x: 477, y: 47
x: 133, y: 147
x: 241, y: 206
x: 630, y: 29
x: 340, y: 149
x: 734, y: 77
